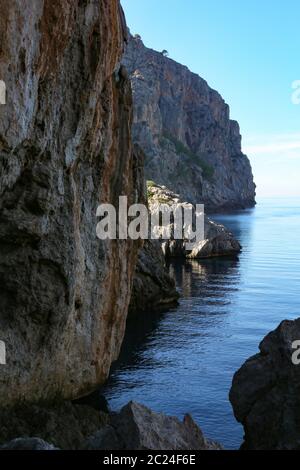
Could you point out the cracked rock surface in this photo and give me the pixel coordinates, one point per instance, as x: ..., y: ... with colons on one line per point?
x: 65, y: 147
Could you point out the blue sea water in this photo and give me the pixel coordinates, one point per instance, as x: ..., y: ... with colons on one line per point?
x: 184, y: 360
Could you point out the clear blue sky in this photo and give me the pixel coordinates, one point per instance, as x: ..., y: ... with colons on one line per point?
x: 248, y: 50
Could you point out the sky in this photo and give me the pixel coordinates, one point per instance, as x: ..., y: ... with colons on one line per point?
x: 249, y: 51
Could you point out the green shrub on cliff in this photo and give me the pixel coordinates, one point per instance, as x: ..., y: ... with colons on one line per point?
x: 150, y: 184
x: 180, y: 148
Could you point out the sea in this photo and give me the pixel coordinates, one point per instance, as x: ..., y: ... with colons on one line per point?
x: 183, y: 360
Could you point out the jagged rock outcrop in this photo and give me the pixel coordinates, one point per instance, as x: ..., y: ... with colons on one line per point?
x: 65, y: 147
x: 29, y: 443
x: 136, y: 427
x: 217, y: 241
x: 183, y: 126
x: 69, y: 427
x: 153, y: 287
x: 265, y: 392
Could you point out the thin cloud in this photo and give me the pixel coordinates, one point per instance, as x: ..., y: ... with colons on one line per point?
x: 287, y: 144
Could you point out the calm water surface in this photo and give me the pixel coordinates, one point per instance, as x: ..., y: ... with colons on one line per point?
x: 183, y: 360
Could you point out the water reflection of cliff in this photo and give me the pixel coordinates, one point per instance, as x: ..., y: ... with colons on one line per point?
x: 205, y: 285
x: 196, y: 276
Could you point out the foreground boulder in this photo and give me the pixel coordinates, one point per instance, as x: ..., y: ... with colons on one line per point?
x: 218, y: 241
x: 65, y: 147
x: 265, y: 392
x: 30, y: 443
x: 77, y: 426
x: 136, y: 427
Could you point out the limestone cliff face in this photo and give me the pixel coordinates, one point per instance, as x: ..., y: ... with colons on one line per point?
x: 217, y: 240
x: 183, y: 126
x: 65, y: 147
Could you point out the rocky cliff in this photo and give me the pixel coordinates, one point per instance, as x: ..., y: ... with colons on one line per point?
x: 265, y: 392
x: 153, y: 288
x: 65, y: 147
x: 183, y: 126
x: 217, y: 240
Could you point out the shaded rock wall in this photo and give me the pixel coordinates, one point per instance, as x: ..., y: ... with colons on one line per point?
x: 65, y: 147
x: 153, y: 288
x: 183, y: 126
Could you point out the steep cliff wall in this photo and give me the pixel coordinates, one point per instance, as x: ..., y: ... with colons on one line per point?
x: 183, y: 126
x: 65, y: 147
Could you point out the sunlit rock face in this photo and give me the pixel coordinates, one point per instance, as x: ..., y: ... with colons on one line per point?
x: 65, y: 147
x: 216, y: 239
x: 183, y: 126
